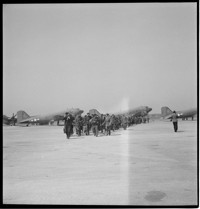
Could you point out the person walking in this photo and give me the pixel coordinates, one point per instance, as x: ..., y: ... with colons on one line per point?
x: 68, y: 120
x: 95, y: 123
x: 86, y: 128
x: 78, y: 124
x: 124, y: 122
x: 107, y: 123
x: 175, y: 121
x: 102, y: 127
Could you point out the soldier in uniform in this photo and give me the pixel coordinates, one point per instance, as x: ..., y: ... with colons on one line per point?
x: 86, y: 125
x: 124, y: 122
x: 117, y: 122
x: 78, y: 124
x: 89, y: 118
x: 175, y: 121
x: 107, y: 123
x: 95, y: 123
x: 102, y: 119
x: 112, y: 122
x: 68, y: 121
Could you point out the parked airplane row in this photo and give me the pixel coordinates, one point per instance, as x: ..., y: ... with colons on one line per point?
x: 23, y: 118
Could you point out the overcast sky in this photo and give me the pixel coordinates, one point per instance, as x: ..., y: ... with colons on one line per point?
x: 103, y: 56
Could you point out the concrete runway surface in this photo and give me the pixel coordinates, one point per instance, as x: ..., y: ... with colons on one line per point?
x: 147, y: 164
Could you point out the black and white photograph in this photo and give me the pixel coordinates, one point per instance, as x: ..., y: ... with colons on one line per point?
x: 100, y: 104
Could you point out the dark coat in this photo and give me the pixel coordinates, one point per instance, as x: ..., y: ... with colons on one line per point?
x: 68, y: 120
x: 174, y: 117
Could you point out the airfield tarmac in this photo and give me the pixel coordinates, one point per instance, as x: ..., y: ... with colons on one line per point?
x: 147, y: 164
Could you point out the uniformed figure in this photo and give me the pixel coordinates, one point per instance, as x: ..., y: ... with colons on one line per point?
x: 86, y: 125
x: 68, y: 124
x: 107, y: 123
x: 118, y: 123
x: 102, y: 127
x: 112, y: 122
x: 175, y: 121
x: 124, y: 122
x: 95, y: 123
x: 89, y: 117
x: 128, y: 121
x: 78, y: 124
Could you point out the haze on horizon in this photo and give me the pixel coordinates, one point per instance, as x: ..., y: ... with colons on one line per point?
x: 110, y: 57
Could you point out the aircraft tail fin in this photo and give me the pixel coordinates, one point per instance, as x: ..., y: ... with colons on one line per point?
x: 21, y: 115
x: 165, y: 111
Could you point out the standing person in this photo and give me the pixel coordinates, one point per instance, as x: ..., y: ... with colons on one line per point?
x: 112, y: 122
x: 95, y: 123
x: 102, y: 119
x: 124, y: 122
x: 78, y: 124
x: 86, y: 127
x: 68, y: 120
x: 89, y: 118
x: 107, y: 123
x: 175, y: 121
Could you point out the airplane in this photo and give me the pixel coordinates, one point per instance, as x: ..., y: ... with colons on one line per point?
x: 136, y: 112
x: 94, y: 111
x: 167, y: 113
x: 9, y: 120
x: 139, y: 111
x: 24, y: 118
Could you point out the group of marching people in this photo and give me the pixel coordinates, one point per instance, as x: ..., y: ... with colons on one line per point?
x: 104, y: 123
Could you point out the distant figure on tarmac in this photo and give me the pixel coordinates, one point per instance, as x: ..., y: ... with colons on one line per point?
x: 68, y: 120
x: 175, y: 121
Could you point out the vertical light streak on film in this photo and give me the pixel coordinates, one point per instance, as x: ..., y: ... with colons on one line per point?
x: 124, y: 148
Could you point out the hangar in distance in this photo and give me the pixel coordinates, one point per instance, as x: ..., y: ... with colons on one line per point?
x: 185, y: 114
